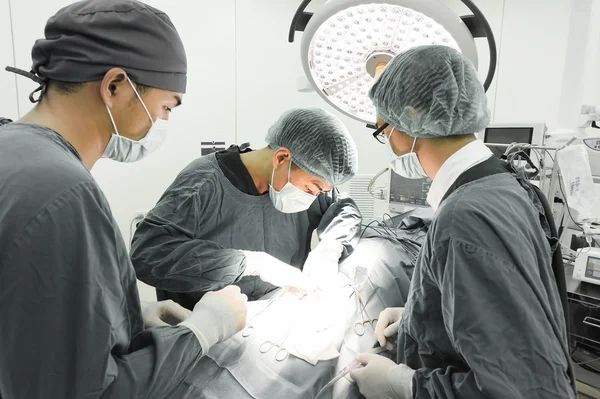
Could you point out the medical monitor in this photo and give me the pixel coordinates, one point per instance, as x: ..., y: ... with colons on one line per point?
x: 407, y: 192
x: 529, y: 133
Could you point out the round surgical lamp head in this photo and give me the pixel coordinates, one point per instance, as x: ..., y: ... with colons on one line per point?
x: 346, y: 39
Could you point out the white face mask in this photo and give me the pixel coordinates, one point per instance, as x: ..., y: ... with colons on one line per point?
x: 406, y: 165
x: 123, y: 149
x: 290, y: 199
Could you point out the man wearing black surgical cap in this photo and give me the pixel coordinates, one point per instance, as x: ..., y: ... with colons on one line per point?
x: 109, y: 74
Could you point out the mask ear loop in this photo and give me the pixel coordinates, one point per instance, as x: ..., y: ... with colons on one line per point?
x: 390, y: 136
x: 413, y: 146
x: 289, y: 174
x: 112, y: 120
x: 272, y: 177
x: 290, y: 171
x: 140, y: 98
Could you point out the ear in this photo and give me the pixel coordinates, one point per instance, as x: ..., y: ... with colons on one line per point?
x: 401, y: 139
x: 283, y: 155
x: 114, y: 86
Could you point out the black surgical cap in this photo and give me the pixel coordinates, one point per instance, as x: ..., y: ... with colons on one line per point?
x: 86, y: 39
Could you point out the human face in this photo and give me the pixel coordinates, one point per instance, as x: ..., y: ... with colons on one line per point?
x: 127, y: 110
x: 299, y: 178
x: 400, y: 142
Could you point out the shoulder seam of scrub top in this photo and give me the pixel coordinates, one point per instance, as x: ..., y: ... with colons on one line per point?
x: 242, y: 198
x: 20, y: 235
x: 475, y: 246
x: 49, y: 134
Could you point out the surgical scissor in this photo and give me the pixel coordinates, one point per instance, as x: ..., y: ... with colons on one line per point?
x: 351, y: 366
x: 281, y: 353
x: 359, y: 327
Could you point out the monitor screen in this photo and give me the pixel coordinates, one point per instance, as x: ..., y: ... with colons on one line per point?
x: 411, y: 192
x: 593, y: 268
x: 507, y: 135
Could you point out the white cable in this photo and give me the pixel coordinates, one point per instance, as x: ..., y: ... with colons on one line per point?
x: 372, y: 183
x: 131, y: 230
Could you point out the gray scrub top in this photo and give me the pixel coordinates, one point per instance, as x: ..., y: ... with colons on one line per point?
x: 71, y: 320
x: 483, y: 317
x: 190, y: 242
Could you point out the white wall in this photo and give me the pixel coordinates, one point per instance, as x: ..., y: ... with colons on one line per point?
x: 242, y: 75
x: 532, y: 58
x: 8, y: 99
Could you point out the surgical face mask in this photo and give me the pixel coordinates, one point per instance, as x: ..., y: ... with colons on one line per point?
x: 406, y: 165
x: 290, y: 199
x: 123, y: 149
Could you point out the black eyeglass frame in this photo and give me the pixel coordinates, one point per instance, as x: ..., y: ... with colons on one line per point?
x: 378, y: 134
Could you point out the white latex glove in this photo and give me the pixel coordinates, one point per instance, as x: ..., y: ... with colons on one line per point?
x: 381, y: 378
x: 273, y: 271
x: 218, y: 316
x: 322, y: 263
x: 387, y: 326
x: 163, y: 313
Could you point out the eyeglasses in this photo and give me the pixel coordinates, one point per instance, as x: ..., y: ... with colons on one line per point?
x: 378, y: 134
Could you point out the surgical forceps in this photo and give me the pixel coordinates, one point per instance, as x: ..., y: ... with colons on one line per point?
x: 250, y: 328
x: 359, y: 327
x: 281, y: 353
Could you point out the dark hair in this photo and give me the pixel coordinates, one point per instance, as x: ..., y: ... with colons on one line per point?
x: 68, y: 88
x: 142, y: 89
x: 65, y: 88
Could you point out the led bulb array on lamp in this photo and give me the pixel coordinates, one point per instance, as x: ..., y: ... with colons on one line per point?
x: 342, y: 45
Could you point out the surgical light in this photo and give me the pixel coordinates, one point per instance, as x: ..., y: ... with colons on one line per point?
x: 346, y: 39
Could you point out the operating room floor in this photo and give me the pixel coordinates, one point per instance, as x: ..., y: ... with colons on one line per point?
x: 586, y: 389
x: 587, y: 392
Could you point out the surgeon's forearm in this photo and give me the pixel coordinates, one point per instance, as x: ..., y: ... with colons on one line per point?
x: 190, y: 266
x: 341, y: 223
x: 161, y: 360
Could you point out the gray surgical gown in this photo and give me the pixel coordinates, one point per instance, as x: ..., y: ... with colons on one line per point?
x: 71, y: 323
x: 484, y: 318
x: 190, y: 242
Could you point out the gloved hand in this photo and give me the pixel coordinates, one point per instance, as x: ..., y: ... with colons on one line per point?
x: 381, y: 378
x: 387, y: 326
x: 322, y: 263
x: 163, y: 313
x: 218, y: 316
x: 276, y: 272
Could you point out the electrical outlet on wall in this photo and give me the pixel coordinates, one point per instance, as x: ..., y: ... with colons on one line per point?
x: 208, y: 147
